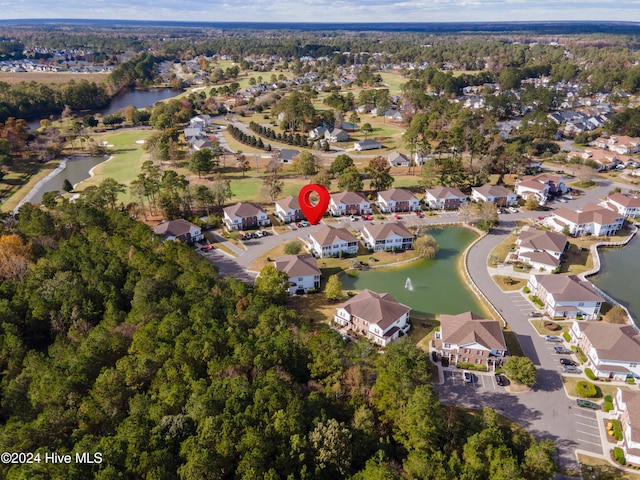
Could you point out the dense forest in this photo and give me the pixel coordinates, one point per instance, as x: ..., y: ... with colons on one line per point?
x: 116, y: 343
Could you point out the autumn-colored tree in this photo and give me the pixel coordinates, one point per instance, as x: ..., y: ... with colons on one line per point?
x: 15, y: 257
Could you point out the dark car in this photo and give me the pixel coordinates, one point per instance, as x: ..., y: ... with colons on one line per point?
x: 467, y: 376
x: 562, y: 350
x: 587, y: 404
x: 568, y: 361
x: 501, y: 381
x: 570, y: 369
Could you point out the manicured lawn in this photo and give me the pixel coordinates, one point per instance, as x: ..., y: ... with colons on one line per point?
x: 577, y: 260
x: 21, y: 180
x: 603, y: 388
x: 509, y: 283
x: 540, y: 328
x: 513, y: 345
x: 314, y: 308
x: 393, y: 81
x: 501, y: 251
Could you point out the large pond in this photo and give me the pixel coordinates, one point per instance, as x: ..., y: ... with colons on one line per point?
x: 618, y: 275
x: 77, y: 170
x: 137, y: 98
x: 436, y: 285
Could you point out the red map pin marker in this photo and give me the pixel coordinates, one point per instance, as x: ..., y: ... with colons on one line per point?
x: 314, y: 213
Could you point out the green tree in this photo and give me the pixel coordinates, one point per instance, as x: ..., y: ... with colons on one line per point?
x: 220, y: 190
x: 201, y: 161
x: 66, y: 185
x: 294, y: 247
x: 331, y: 442
x: 341, y: 163
x: 323, y: 177
x: 426, y: 246
x: 366, y: 129
x: 520, y: 370
x: 420, y: 424
x: 272, y: 186
x: 333, y: 289
x: 539, y: 460
x: 242, y: 162
x: 306, y: 164
x: 350, y: 180
x: 378, y: 169
x: 271, y: 285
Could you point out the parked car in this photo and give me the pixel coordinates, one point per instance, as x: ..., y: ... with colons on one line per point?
x: 535, y: 314
x: 304, y: 223
x: 467, y: 376
x: 501, y: 381
x: 396, y: 216
x: 562, y: 350
x: 568, y: 361
x: 570, y: 369
x: 419, y: 214
x: 513, y: 210
x: 367, y: 217
x: 354, y: 218
x: 552, y: 338
x: 587, y: 404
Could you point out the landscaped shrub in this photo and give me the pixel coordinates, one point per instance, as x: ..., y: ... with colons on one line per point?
x: 586, y: 389
x: 589, y: 373
x: 618, y: 455
x: 472, y: 366
x: 580, y: 354
x: 536, y: 300
x: 566, y: 336
x: 631, y: 380
x: 607, y: 406
x: 526, y: 290
x: 617, y: 429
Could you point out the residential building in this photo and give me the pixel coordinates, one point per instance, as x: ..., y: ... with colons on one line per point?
x: 288, y: 209
x: 331, y: 241
x: 200, y: 121
x: 445, y: 198
x: 397, y: 159
x: 622, y: 144
x: 242, y: 216
x: 626, y: 205
x: 497, y: 194
x: 467, y: 338
x: 541, y: 249
x: 627, y: 408
x: 180, y: 230
x: 566, y: 296
x: 397, y: 200
x: 336, y: 135
x: 317, y: 132
x: 349, y: 203
x: 590, y: 219
x: 302, y: 270
x: 287, y: 155
x: 367, y: 144
x: 377, y: 316
x: 612, y: 350
x: 387, y: 236
x: 540, y: 186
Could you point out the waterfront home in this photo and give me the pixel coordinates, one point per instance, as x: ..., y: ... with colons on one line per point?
x: 626, y: 405
x: 626, y: 205
x: 349, y: 203
x: 376, y: 316
x: 367, y: 144
x: 444, y: 198
x: 180, y: 230
x: 336, y: 135
x: 541, y: 249
x: 566, y: 296
x: 467, y: 338
x: 331, y: 241
x: 397, y: 200
x: 612, y: 350
x: 302, y: 270
x: 288, y: 209
x: 380, y: 237
x: 497, y: 194
x: 590, y: 219
x: 242, y: 216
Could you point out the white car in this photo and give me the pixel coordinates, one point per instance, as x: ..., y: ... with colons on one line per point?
x: 467, y: 376
x: 513, y: 210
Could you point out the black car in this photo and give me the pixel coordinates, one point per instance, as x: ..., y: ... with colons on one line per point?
x: 568, y: 361
x: 587, y: 404
x: 501, y: 381
x: 562, y: 350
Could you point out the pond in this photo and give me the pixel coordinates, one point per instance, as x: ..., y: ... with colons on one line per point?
x: 618, y: 275
x: 77, y: 170
x: 435, y: 286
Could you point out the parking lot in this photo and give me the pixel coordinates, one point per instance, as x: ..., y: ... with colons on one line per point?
x: 481, y: 381
x: 587, y: 429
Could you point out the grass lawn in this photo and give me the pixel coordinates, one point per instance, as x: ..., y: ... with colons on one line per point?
x: 513, y: 345
x: 542, y: 330
x: 21, y: 180
x: 422, y: 330
x: 509, y: 283
x: 593, y: 467
x: 577, y: 260
x: 393, y: 81
x: 602, y: 388
x: 128, y: 156
x: 501, y: 251
x: 314, y: 308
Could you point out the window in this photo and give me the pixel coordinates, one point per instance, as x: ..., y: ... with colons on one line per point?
x: 466, y: 350
x: 480, y: 352
x: 581, y: 304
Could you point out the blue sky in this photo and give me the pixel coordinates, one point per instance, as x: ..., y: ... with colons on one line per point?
x: 326, y: 10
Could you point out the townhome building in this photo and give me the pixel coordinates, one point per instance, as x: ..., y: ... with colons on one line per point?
x: 349, y: 203
x: 627, y: 409
x: 566, y: 296
x: 331, y: 241
x: 302, y: 270
x: 541, y: 249
x: 444, y: 198
x: 397, y: 200
x: 497, y: 194
x: 376, y: 316
x: 178, y: 230
x: 380, y: 237
x: 590, y: 219
x: 242, y: 216
x: 626, y: 205
x: 288, y: 209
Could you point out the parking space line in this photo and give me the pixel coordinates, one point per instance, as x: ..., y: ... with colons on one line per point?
x: 587, y: 441
x: 588, y: 424
x: 589, y: 433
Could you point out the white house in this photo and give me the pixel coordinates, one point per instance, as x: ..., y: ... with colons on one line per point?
x: 387, y: 236
x: 200, y: 120
x: 367, y: 144
x: 317, y: 132
x: 626, y: 205
x: 627, y: 410
x: 540, y: 186
x: 497, y: 194
x: 541, y: 249
x: 397, y: 200
x: 467, y: 338
x: 329, y: 241
x: 288, y: 209
x: 566, y: 296
x: 180, y: 230
x: 377, y: 316
x: 336, y: 135
x: 397, y: 159
x: 622, y: 144
x: 302, y: 270
x: 242, y: 216
x: 590, y: 219
x: 445, y: 198
x: 349, y: 203
x: 287, y: 155
x: 612, y: 350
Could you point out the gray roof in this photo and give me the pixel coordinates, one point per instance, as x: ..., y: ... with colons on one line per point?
x: 289, y: 203
x: 493, y: 191
x: 568, y: 288
x: 445, y: 192
x: 397, y: 194
x: 612, y: 341
x: 380, y: 231
x: 173, y: 228
x: 348, y: 198
x: 243, y: 210
x: 467, y: 328
x: 542, y: 240
x: 328, y: 235
x: 298, y: 265
x: 378, y: 308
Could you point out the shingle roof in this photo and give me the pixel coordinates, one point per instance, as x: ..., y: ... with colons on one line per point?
x: 632, y: 401
x: 173, y: 228
x: 381, y: 231
x: 289, y: 203
x: 467, y: 328
x: 612, y: 341
x: 568, y: 288
x: 493, y: 191
x: 445, y: 192
x: 243, y: 210
x: 397, y: 194
x: 542, y: 240
x: 379, y: 308
x: 348, y: 198
x: 589, y: 213
x: 298, y: 265
x: 542, y: 258
x: 328, y: 235
x: 625, y: 200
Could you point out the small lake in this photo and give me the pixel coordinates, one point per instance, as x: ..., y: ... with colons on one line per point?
x: 76, y: 171
x: 137, y: 98
x: 438, y: 286
x: 618, y: 275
